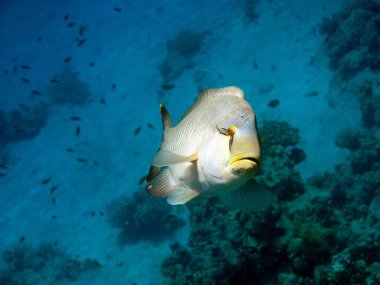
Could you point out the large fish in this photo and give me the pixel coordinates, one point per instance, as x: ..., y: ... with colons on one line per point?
x: 214, y: 150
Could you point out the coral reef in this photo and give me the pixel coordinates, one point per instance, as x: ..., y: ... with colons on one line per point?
x: 69, y: 88
x: 45, y: 264
x: 21, y: 123
x: 323, y: 234
x: 280, y: 156
x: 181, y: 51
x: 142, y: 217
x: 353, y: 38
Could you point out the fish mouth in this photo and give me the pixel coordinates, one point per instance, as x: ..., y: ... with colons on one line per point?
x: 243, y: 162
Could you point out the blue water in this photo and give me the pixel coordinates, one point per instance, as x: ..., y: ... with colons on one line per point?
x: 81, y: 83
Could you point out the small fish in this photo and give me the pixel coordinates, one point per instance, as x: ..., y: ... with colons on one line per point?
x: 93, y: 213
x: 46, y: 181
x: 142, y: 180
x: 92, y: 64
x: 273, y: 103
x: 167, y: 86
x: 137, y: 131
x: 101, y: 213
x: 52, y: 189
x: 2, y: 174
x: 6, y: 71
x: 77, y: 131
x: 22, y: 239
x: 35, y: 92
x: 39, y: 39
x: 71, y: 24
x: 117, y: 9
x: 312, y: 94
x: 25, y: 66
x: 69, y: 149
x: 273, y: 67
x: 3, y: 166
x: 81, y: 42
x: 66, y: 17
x: 75, y: 118
x: 113, y: 86
x: 96, y: 163
x: 54, y: 81
x: 214, y: 150
x: 81, y: 159
x: 26, y: 80
x: 102, y: 101
x: 81, y: 30
x: 54, y: 217
x: 150, y: 126
x: 255, y: 66
x: 67, y: 59
x: 53, y: 201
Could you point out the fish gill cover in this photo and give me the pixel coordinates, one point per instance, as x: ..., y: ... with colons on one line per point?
x: 79, y: 123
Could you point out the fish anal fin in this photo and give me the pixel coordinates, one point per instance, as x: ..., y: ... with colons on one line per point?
x: 182, y: 195
x: 166, y: 158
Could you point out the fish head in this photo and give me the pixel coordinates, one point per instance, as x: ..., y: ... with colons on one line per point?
x: 232, y: 155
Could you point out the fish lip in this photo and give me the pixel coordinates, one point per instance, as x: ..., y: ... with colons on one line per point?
x: 241, y: 156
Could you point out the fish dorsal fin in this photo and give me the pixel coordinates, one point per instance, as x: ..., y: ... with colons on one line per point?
x: 166, y: 120
x: 166, y: 158
x: 182, y: 195
x: 206, y: 94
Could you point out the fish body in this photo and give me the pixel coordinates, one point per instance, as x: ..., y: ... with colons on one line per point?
x: 213, y: 150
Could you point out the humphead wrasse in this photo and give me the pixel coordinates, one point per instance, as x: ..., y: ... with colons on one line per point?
x: 213, y: 150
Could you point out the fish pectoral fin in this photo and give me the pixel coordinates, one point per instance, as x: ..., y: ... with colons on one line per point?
x: 182, y: 195
x: 166, y: 120
x: 166, y: 158
x: 249, y: 197
x: 161, y: 185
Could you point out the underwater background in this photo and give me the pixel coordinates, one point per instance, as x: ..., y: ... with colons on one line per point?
x: 80, y: 87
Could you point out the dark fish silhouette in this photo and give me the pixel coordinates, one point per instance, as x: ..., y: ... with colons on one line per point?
x: 69, y: 149
x: 81, y: 30
x: 25, y: 66
x: 53, y: 201
x: 54, y: 81
x: 46, y: 181
x: 117, y: 9
x: 75, y: 118
x: 113, y: 86
x: 102, y: 101
x: 273, y: 103
x: 71, y: 24
x: 92, y: 64
x: 81, y: 42
x: 66, y: 17
x: 67, y: 59
x: 77, y: 131
x: 137, y: 131
x: 35, y: 92
x: 81, y: 159
x: 52, y: 189
x: 2, y: 174
x: 3, y: 166
x: 167, y: 86
x: 150, y: 126
x: 26, y: 80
